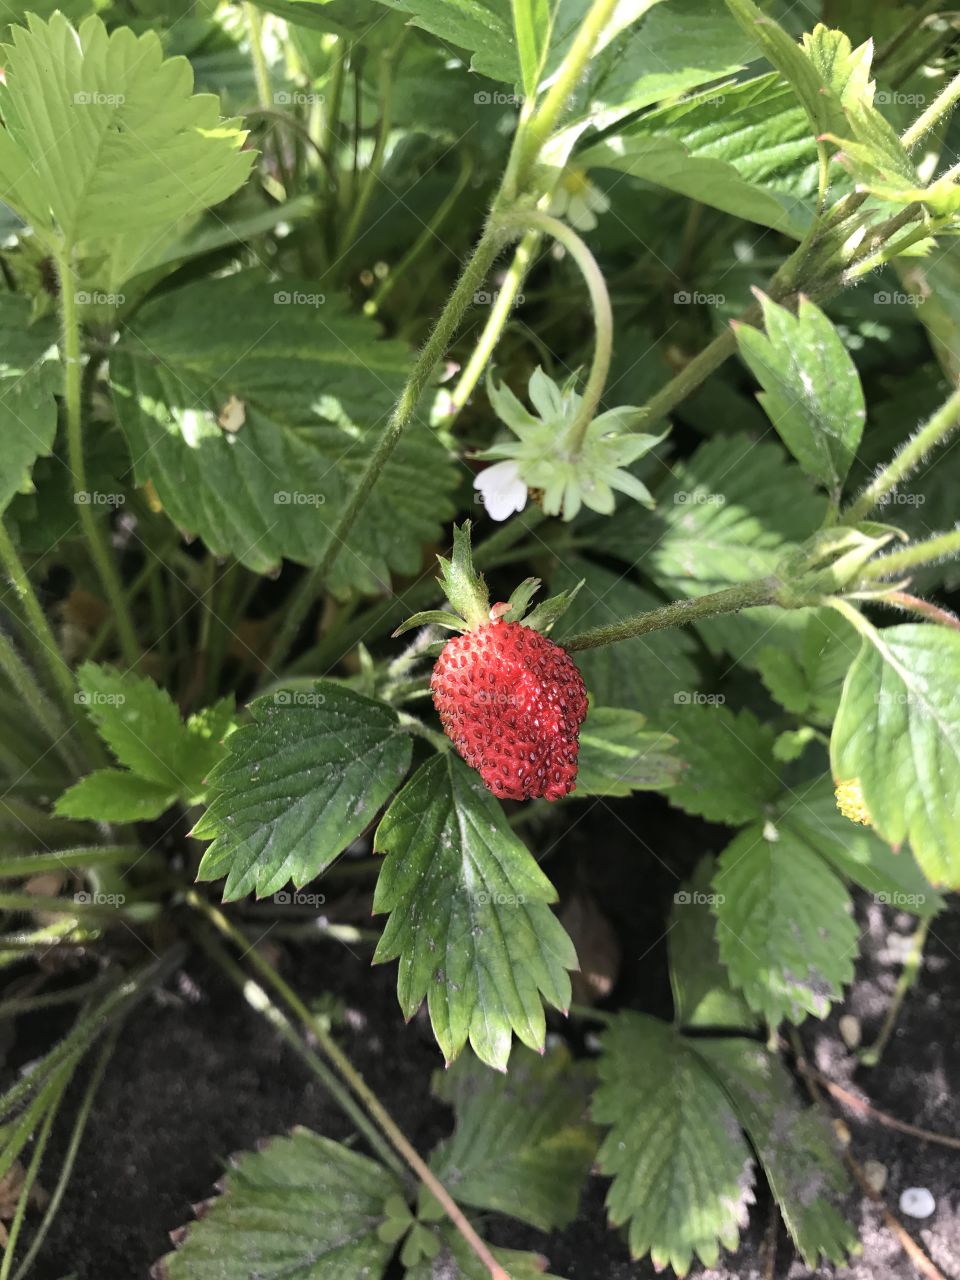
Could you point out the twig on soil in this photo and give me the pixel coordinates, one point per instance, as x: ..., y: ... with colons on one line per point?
x: 851, y: 1100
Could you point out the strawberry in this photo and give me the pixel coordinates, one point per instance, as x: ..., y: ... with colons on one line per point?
x: 512, y: 703
x: 509, y: 699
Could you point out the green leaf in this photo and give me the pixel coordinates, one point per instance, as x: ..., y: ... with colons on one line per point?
x: 898, y: 732
x: 531, y: 23
x: 315, y: 383
x: 469, y: 916
x: 304, y: 1208
x: 641, y: 674
x: 682, y: 1173
x: 807, y: 678
x: 115, y: 795
x: 617, y: 755
x: 457, y: 1261
x: 523, y: 1143
x: 745, y: 149
x: 114, y: 144
x: 796, y: 1145
x: 856, y: 852
x: 731, y: 774
x: 298, y: 783
x: 812, y: 392
x: 785, y: 924
x: 28, y: 382
x: 702, y: 994
x: 462, y: 585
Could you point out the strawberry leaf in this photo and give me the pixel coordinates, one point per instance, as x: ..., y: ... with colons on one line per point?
x: 731, y: 772
x: 618, y: 755
x: 469, y: 919
x: 298, y: 783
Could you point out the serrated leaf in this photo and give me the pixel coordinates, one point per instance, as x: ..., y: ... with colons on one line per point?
x: 618, y: 755
x: 523, y: 1143
x: 702, y: 994
x: 303, y: 1207
x: 682, y: 1173
x: 745, y: 149
x: 115, y: 143
x: 298, y: 783
x: 812, y: 392
x: 731, y: 773
x: 796, y: 1145
x: 115, y: 795
x: 858, y: 853
x: 898, y: 732
x: 316, y: 384
x: 807, y: 678
x: 785, y: 924
x: 469, y: 917
x: 28, y: 383
x: 641, y: 673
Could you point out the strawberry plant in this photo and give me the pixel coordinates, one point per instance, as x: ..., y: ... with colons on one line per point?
x: 619, y: 341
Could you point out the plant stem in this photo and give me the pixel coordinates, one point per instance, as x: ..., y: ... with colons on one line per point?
x: 46, y: 643
x: 352, y: 1076
x: 44, y: 713
x: 938, y: 110
x: 681, y: 612
x: 870, y: 1056
x: 15, y: 866
x: 924, y: 608
x: 510, y: 286
x: 602, y: 315
x: 942, y: 547
x: 907, y: 458
x: 261, y: 72
x: 99, y: 549
x: 388, y: 63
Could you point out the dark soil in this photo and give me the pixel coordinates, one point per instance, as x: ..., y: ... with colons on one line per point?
x: 197, y: 1075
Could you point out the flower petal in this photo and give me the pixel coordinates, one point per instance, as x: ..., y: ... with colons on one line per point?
x: 502, y: 490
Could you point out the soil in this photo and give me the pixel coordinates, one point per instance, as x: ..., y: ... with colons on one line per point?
x: 197, y: 1075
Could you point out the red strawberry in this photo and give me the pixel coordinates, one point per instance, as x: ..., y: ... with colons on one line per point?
x: 512, y: 703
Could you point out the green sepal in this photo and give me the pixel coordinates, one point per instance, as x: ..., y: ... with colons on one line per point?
x: 431, y: 617
x: 462, y: 585
x: 520, y: 598
x: 550, y: 611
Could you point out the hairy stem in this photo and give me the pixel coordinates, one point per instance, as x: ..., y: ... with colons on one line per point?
x: 44, y: 713
x: 46, y: 643
x: 938, y: 110
x: 678, y: 614
x: 906, y: 460
x: 944, y: 546
x: 99, y: 548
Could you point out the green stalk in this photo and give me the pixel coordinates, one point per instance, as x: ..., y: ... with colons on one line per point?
x: 602, y: 315
x: 388, y: 66
x: 261, y: 72
x: 46, y: 643
x: 870, y: 1055
x: 938, y: 110
x: 499, y: 314
x: 44, y: 713
x: 944, y: 546
x: 681, y: 612
x: 907, y: 458
x: 348, y: 1072
x: 97, y: 855
x: 99, y: 550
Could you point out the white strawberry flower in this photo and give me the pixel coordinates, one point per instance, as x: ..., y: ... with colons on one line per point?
x: 501, y: 489
x: 577, y: 200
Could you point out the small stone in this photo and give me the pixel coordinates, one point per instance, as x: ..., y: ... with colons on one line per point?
x: 850, y: 1030
x: 917, y: 1202
x: 875, y: 1174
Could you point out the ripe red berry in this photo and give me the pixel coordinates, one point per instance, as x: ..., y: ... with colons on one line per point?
x: 512, y: 703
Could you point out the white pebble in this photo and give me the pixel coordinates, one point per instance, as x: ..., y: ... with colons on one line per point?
x: 849, y: 1027
x: 917, y: 1202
